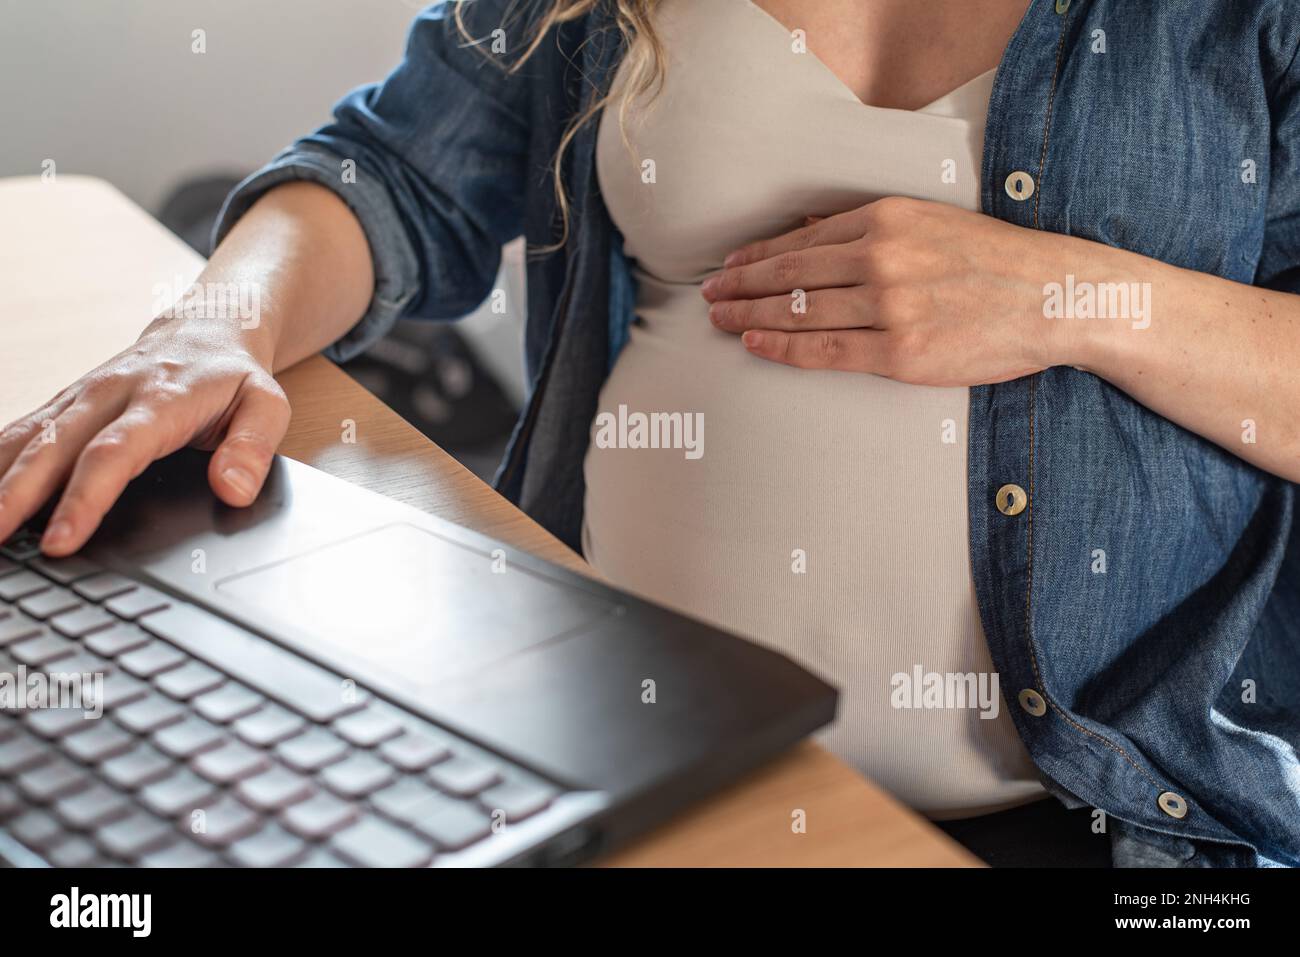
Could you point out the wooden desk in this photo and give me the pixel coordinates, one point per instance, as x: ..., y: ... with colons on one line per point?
x: 78, y: 269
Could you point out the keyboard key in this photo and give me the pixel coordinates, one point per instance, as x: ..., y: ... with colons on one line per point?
x: 277, y: 673
x: 312, y: 751
x: 413, y: 751
x: 227, y: 703
x: 181, y: 854
x: 80, y: 663
x: 319, y: 816
x: 42, y: 648
x: 75, y: 852
x: 463, y: 777
x: 113, y: 641
x: 10, y: 802
x: 274, y: 790
x: 83, y: 621
x: 119, y: 689
x: 188, y: 680
x: 231, y: 763
x: 151, y: 659
x: 373, y: 842
x: 268, y: 726
x: 8, y: 566
x: 320, y: 857
x: 357, y: 775
x: 149, y: 713
x: 134, y: 835
x: 92, y: 807
x: 51, y: 780
x: 21, y: 752
x: 21, y: 585
x: 101, y: 742
x: 178, y: 794
x: 188, y: 738
x: 137, y: 602
x: 517, y: 800
x: 404, y: 799
x: 65, y: 570
x: 51, y: 602
x: 272, y: 846
x: 367, y: 727
x: 37, y: 829
x: 24, y: 544
x: 56, y: 722
x: 452, y: 826
x: 137, y: 767
x: 96, y: 588
x: 222, y: 823
x: 17, y: 627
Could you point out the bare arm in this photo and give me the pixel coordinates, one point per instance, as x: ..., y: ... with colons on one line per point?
x: 1223, y: 360
x: 302, y: 245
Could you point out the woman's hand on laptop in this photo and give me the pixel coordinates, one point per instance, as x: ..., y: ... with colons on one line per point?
x: 196, y: 376
x: 186, y: 381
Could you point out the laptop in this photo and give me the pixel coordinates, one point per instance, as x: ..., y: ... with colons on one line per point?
x: 331, y: 678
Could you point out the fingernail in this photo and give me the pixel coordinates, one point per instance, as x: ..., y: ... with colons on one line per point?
x: 752, y: 339
x: 57, y: 534
x: 708, y: 286
x: 715, y: 313
x: 733, y: 259
x: 240, y: 480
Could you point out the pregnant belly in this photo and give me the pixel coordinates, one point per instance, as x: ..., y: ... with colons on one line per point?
x: 865, y: 476
x: 825, y: 516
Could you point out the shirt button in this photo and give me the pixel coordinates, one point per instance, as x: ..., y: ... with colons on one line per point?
x: 1011, y: 500
x: 1172, y: 804
x: 1032, y: 702
x: 1020, y: 186
x: 1062, y: 6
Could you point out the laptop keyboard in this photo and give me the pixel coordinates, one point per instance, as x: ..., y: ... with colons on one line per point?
x: 217, y: 748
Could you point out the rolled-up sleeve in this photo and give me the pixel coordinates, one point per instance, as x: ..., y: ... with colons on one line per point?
x: 1279, y: 266
x: 432, y: 162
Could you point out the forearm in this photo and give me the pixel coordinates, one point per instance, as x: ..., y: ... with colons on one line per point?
x: 305, y: 253
x: 1219, y: 358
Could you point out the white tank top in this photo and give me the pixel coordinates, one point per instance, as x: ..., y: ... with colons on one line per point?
x: 826, y: 516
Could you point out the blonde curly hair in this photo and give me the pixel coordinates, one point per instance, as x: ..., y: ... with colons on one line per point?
x: 643, y: 63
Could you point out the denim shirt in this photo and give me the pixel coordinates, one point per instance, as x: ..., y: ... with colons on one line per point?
x: 1164, y: 690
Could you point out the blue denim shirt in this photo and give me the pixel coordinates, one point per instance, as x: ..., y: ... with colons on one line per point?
x: 1166, y: 691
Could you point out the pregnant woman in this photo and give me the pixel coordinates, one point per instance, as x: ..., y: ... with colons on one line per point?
x: 987, y: 313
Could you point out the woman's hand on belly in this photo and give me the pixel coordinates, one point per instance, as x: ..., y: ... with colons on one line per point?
x: 921, y: 292
x: 932, y: 294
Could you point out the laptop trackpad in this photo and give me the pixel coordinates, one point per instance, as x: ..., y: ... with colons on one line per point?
x: 418, y: 606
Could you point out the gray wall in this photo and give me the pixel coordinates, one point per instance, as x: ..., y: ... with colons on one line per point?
x: 112, y: 88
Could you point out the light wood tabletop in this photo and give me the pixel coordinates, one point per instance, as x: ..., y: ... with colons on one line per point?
x: 80, y: 267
